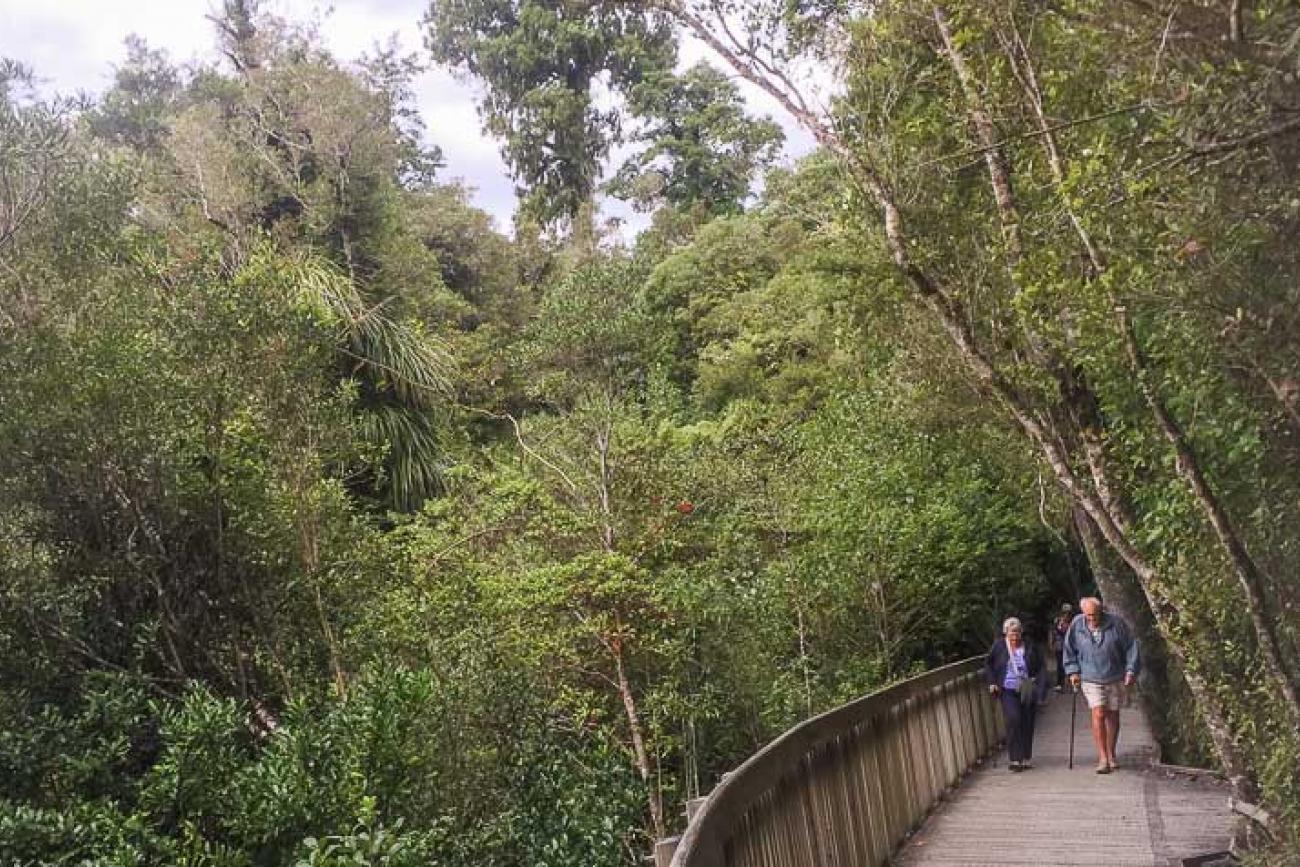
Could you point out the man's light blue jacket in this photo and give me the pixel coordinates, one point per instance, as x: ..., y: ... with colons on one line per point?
x: 1103, y: 660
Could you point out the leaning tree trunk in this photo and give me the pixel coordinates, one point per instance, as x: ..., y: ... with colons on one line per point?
x: 1248, y: 574
x: 640, y: 753
x: 1187, y: 463
x: 1118, y: 590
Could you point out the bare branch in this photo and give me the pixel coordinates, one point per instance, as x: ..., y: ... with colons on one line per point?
x: 1201, y: 149
x: 519, y: 437
x: 1036, y: 133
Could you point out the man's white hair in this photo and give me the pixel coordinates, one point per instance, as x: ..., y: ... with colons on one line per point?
x: 1012, y: 623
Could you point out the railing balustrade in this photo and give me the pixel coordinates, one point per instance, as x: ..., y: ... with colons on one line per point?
x: 843, y: 789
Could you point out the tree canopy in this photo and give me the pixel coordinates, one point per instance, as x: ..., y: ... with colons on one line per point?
x: 339, y: 526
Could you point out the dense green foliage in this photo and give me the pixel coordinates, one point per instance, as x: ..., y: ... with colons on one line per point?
x: 545, y: 63
x: 337, y: 527
x: 703, y: 150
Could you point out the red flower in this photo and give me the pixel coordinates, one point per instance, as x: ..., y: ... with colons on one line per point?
x: 685, y: 507
x: 1190, y: 250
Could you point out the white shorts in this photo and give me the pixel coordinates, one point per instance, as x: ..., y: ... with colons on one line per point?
x: 1107, y: 695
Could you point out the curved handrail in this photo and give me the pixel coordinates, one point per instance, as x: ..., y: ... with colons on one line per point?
x: 845, y: 787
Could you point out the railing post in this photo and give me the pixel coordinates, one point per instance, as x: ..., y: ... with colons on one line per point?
x: 898, y: 786
x: 882, y: 840
x: 693, y: 806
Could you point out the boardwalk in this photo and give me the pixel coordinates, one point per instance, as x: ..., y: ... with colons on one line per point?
x: 1051, y: 815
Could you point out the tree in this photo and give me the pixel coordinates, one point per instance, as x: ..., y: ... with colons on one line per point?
x: 145, y: 91
x: 33, y: 145
x: 544, y: 67
x: 589, y: 346
x: 702, y: 149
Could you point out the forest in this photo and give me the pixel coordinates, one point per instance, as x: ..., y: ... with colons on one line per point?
x: 342, y: 525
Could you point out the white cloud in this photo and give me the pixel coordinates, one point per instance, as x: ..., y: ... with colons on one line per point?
x: 73, y: 44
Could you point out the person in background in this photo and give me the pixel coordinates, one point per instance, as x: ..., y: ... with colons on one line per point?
x: 1056, y: 637
x: 1014, y: 670
x: 1101, y: 654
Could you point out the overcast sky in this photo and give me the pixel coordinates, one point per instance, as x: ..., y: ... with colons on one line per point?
x: 74, y: 45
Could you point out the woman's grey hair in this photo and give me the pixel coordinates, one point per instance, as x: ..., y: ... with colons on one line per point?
x: 1012, y: 624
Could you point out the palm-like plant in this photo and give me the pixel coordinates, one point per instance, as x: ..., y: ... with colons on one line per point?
x: 404, y: 379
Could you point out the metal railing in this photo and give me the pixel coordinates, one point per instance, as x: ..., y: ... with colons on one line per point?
x: 843, y: 789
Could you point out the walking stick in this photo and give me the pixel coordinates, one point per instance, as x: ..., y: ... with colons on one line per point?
x: 1074, y: 715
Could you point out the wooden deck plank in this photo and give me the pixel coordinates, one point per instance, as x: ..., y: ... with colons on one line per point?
x: 1053, y: 815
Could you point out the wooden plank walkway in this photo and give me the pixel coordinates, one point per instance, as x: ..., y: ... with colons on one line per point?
x: 1054, y: 816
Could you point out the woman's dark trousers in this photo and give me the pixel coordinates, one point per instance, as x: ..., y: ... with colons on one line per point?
x: 1020, y: 726
x: 1060, y: 667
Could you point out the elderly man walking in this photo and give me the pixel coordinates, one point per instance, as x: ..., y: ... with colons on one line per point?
x: 1101, y: 653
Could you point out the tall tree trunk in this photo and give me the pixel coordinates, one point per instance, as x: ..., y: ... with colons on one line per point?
x: 995, y: 158
x: 1187, y: 464
x: 307, y: 538
x: 639, y: 751
x: 614, y: 643
x: 309, y: 550
x: 1248, y: 574
x: 1119, y: 594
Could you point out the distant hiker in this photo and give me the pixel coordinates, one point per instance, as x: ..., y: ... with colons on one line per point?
x: 1014, y: 671
x: 1101, y: 653
x: 1060, y: 626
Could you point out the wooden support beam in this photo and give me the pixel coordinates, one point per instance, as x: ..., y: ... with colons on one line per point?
x: 664, y: 851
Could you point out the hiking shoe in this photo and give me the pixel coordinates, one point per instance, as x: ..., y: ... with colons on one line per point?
x: 1024, y: 766
x: 1014, y: 766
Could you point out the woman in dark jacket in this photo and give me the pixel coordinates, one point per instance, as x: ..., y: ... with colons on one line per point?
x: 1014, y: 671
